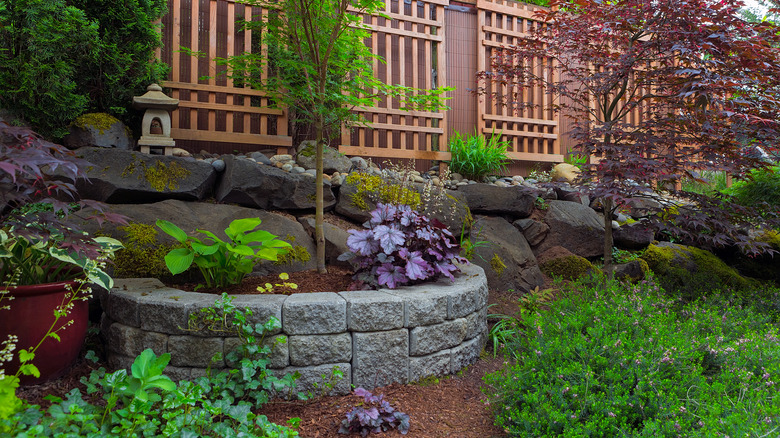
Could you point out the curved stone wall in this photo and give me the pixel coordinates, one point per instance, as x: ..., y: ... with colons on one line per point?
x: 374, y: 337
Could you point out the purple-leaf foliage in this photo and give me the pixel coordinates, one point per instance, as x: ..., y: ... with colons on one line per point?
x: 401, y: 246
x: 374, y: 416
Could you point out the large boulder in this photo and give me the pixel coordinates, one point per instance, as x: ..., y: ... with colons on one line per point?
x: 633, y: 236
x: 507, y: 258
x: 192, y: 216
x: 250, y: 184
x: 332, y: 160
x: 133, y: 178
x: 450, y: 207
x: 335, y: 240
x: 560, y: 262
x: 575, y: 227
x: 534, y: 231
x: 99, y: 130
x: 515, y: 201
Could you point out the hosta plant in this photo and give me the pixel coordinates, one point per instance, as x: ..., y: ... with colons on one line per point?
x: 375, y: 416
x: 223, y: 263
x: 401, y: 246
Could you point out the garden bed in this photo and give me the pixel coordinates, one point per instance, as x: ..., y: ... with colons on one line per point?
x: 373, y: 337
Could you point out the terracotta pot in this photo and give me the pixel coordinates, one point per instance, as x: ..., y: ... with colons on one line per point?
x: 31, y: 315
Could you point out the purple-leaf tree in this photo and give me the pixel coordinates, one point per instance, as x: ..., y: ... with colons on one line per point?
x: 400, y: 246
x: 658, y: 91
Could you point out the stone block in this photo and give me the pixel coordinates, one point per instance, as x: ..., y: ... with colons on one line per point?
x: 319, y: 380
x: 263, y: 307
x: 179, y: 373
x: 168, y: 310
x: 195, y: 351
x: 372, y: 311
x: 317, y: 313
x: 432, y: 338
x: 380, y: 358
x: 279, y: 354
x: 130, y: 341
x: 436, y: 364
x: 476, y: 323
x: 462, y: 301
x: 422, y: 306
x: 467, y: 353
x: 306, y: 350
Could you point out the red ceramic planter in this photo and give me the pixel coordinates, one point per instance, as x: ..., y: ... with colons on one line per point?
x: 31, y: 315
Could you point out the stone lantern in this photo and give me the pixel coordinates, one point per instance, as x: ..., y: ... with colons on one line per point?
x: 156, y: 124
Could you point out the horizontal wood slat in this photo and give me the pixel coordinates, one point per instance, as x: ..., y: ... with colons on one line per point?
x: 231, y: 137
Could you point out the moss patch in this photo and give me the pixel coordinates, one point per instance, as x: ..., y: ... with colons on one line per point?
x: 296, y: 254
x: 569, y: 267
x: 693, y: 272
x: 497, y: 264
x: 143, y: 256
x: 160, y: 176
x: 99, y: 121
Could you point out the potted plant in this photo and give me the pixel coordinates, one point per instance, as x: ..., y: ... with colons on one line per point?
x: 47, y: 263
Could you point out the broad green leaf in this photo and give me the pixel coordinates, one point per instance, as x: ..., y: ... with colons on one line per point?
x: 267, y: 254
x: 260, y: 236
x: 179, y: 260
x: 212, y: 236
x: 172, y: 230
x: 241, y: 226
x: 241, y: 249
x: 202, y: 249
x: 141, y: 364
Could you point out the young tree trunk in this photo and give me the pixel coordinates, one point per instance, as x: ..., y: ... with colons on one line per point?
x: 608, y: 237
x: 319, y: 234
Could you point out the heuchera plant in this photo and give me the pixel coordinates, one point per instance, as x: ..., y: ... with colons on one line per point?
x: 401, y: 246
x: 375, y: 416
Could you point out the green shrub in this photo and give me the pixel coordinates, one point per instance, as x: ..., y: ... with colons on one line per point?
x: 59, y: 59
x: 626, y: 361
x: 476, y: 157
x: 763, y: 186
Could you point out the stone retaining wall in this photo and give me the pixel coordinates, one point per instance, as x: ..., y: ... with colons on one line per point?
x: 374, y: 337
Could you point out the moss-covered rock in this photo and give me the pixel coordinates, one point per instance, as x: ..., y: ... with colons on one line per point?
x: 692, y: 272
x: 570, y: 267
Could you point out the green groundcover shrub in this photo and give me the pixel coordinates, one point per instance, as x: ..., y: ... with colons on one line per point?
x: 632, y: 362
x: 60, y: 59
x: 763, y: 187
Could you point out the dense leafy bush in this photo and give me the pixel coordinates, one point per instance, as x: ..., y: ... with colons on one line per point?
x: 401, y: 246
x: 476, y: 156
x: 59, y: 59
x: 626, y: 361
x: 145, y: 402
x: 763, y: 186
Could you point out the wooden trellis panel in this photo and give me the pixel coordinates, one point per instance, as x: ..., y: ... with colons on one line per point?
x: 533, y: 133
x: 411, y: 42
x: 213, y: 108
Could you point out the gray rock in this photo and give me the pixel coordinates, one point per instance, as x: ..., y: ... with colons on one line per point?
x: 332, y: 160
x: 575, y: 227
x: 191, y: 216
x: 369, y: 311
x: 638, y: 207
x: 534, y: 231
x: 218, y: 165
x: 253, y: 185
x: 507, y: 246
x: 320, y: 349
x: 430, y: 339
x: 380, y: 358
x: 359, y: 162
x: 314, y: 313
x: 193, y: 351
x: 634, y: 236
x: 287, y: 167
x: 436, y: 364
x: 335, y: 240
x: 132, y: 177
x: 631, y: 271
x: 451, y: 211
x: 572, y: 194
x: 514, y: 201
x: 467, y: 353
x: 279, y: 347
x: 317, y: 380
x: 261, y: 158
x: 99, y: 130
x: 130, y: 341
